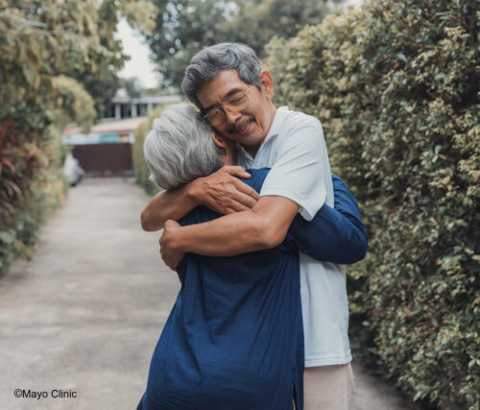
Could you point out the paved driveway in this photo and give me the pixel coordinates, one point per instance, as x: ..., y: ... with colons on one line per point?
x: 82, y: 319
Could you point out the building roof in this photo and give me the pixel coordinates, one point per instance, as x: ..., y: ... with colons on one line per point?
x: 120, y: 127
x: 123, y: 98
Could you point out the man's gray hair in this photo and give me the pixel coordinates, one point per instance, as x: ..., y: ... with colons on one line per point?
x: 179, y: 148
x: 208, y: 63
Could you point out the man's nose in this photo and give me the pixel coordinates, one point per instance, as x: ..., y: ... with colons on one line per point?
x: 232, y: 116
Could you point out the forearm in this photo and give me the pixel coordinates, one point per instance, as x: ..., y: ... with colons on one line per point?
x: 334, y: 235
x: 166, y: 205
x: 221, y: 191
x: 331, y: 236
x: 263, y: 227
x: 230, y: 235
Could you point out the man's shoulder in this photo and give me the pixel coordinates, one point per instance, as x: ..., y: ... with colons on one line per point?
x: 293, y: 120
x: 298, y: 127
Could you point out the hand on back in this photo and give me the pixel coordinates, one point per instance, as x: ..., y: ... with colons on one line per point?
x: 223, y: 192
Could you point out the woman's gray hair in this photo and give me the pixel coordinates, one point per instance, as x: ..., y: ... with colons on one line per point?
x: 179, y: 148
x: 208, y: 63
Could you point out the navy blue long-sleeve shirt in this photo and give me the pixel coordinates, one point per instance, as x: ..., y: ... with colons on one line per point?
x: 234, y: 338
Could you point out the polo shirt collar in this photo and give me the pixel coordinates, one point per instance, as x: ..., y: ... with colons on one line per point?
x: 277, y: 123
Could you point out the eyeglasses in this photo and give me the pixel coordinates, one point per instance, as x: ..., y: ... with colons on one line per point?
x: 235, y: 103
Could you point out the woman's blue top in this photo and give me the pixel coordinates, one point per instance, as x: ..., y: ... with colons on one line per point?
x: 234, y: 338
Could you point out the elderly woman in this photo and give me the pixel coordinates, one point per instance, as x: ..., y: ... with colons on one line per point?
x: 234, y: 338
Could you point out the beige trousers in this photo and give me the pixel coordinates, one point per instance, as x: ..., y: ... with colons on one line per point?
x: 328, y: 387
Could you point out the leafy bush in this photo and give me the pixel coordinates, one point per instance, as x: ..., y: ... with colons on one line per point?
x: 140, y: 167
x: 76, y: 103
x: 35, y: 42
x: 43, y: 44
x: 394, y: 85
x: 19, y: 237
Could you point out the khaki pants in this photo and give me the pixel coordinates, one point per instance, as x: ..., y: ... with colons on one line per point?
x: 328, y: 387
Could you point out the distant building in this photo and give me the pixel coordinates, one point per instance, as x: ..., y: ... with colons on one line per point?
x: 107, y: 148
x: 123, y: 106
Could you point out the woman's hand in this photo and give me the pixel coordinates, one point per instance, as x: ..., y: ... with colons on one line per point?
x: 171, y: 256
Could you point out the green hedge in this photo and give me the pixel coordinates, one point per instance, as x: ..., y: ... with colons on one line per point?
x: 37, y: 42
x: 32, y: 155
x: 394, y: 85
x: 18, y: 238
x: 140, y: 167
x: 30, y: 189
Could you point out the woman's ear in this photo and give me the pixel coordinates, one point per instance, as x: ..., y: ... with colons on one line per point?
x: 228, y: 148
x: 218, y: 140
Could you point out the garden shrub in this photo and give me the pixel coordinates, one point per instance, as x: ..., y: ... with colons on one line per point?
x: 140, y: 167
x: 36, y: 102
x: 50, y: 49
x: 394, y: 85
x: 32, y: 184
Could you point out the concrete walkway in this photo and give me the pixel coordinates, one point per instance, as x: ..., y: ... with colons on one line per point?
x: 79, y: 323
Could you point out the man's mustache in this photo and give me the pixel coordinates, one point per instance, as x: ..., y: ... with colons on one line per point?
x: 240, y: 125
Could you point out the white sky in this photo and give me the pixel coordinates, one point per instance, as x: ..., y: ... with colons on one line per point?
x: 139, y: 65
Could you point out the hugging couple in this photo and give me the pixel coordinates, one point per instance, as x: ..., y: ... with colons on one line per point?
x: 261, y: 319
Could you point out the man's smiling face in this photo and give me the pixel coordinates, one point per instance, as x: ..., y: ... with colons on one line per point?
x: 248, y: 126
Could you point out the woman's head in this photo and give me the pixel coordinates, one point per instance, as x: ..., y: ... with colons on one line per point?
x: 179, y: 148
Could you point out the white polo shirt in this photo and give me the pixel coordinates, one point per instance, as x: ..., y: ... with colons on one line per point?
x: 295, y: 150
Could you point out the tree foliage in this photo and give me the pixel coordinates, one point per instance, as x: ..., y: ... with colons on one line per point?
x: 132, y: 86
x: 103, y: 82
x: 395, y: 87
x: 184, y: 27
x: 39, y: 41
x: 140, y: 167
x: 76, y: 104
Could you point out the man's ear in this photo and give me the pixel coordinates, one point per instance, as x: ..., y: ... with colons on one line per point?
x: 266, y: 83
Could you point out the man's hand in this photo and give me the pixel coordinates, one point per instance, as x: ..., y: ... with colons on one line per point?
x: 170, y: 256
x: 222, y: 192
x: 262, y: 227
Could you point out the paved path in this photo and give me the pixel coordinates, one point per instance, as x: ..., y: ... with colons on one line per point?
x: 84, y: 316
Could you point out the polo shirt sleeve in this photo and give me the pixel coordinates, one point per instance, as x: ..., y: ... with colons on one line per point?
x: 298, y: 170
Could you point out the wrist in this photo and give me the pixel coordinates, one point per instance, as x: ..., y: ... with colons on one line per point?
x: 172, y: 239
x: 192, y: 192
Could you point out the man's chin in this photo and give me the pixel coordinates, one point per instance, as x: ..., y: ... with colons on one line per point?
x: 245, y: 140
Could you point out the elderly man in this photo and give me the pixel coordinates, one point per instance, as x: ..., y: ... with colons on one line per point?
x: 234, y: 338
x: 234, y: 94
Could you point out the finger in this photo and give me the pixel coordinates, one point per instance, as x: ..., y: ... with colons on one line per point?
x: 245, y: 200
x: 168, y: 263
x: 241, y: 202
x: 236, y: 203
x: 235, y: 170
x: 238, y: 207
x: 247, y: 190
x: 177, y: 262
